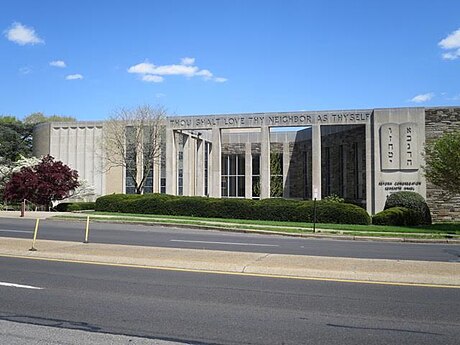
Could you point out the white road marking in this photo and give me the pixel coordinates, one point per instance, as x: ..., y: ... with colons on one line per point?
x: 229, y: 243
x: 7, y: 230
x: 20, y: 286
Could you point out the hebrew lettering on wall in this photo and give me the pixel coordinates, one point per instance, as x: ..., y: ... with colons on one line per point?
x: 408, y: 146
x: 398, y: 146
x: 389, y: 146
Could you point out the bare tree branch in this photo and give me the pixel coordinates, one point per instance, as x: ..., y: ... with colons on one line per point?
x: 133, y: 141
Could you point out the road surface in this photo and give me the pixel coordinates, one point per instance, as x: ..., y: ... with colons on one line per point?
x: 173, y: 237
x: 223, y: 309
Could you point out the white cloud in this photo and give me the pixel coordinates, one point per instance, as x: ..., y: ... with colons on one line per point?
x: 152, y: 73
x: 451, y: 55
x: 220, y: 80
x: 58, y: 63
x: 160, y: 95
x: 152, y: 78
x: 187, y: 61
x: 22, y: 34
x: 74, y: 77
x: 142, y: 68
x: 422, y: 97
x: 452, y: 43
x: 25, y: 70
x: 188, y: 71
x: 206, y: 74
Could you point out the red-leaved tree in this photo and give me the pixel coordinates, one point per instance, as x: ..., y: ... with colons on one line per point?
x: 47, y: 181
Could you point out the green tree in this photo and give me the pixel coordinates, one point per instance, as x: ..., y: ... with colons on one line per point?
x: 36, y: 118
x: 15, y: 139
x: 443, y: 162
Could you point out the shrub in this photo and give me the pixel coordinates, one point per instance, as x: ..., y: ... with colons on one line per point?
x: 115, y: 202
x: 75, y: 206
x: 267, y: 209
x: 397, y: 216
x: 412, y: 201
x: 148, y: 204
x: 341, y: 213
x: 276, y: 209
x: 334, y: 198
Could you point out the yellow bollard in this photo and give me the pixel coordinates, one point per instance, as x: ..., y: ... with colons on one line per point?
x: 35, y: 236
x: 87, y: 230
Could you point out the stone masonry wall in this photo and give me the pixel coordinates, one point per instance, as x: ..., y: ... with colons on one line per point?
x: 437, y: 122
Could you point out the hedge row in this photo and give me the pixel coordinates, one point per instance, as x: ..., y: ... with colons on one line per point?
x: 267, y: 209
x: 74, y: 206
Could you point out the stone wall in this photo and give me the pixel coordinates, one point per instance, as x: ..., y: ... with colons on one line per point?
x: 437, y: 122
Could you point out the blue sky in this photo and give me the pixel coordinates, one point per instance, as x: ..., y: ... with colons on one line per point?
x: 87, y: 58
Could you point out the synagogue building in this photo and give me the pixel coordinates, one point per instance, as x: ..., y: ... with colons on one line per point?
x: 361, y: 155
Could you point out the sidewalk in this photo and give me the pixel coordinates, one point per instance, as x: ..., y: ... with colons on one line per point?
x: 400, y: 272
x: 31, y: 214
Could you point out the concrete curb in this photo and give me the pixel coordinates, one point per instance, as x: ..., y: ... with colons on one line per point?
x: 399, y: 272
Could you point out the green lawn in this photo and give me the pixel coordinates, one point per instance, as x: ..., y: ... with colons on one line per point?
x: 439, y: 230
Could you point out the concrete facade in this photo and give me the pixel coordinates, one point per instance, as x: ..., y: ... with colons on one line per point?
x: 360, y: 155
x: 80, y: 146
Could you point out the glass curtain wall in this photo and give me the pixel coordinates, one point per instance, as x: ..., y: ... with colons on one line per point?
x: 233, y: 183
x: 131, y: 160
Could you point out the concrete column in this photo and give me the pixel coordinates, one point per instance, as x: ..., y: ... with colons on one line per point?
x: 156, y: 173
x: 216, y: 164
x: 248, y: 171
x: 286, y: 162
x: 171, y: 162
x: 264, y: 162
x: 192, y: 165
x: 187, y: 164
x: 199, y: 180
x: 369, y: 170
x: 316, y: 161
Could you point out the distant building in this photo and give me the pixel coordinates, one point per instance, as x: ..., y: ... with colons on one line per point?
x: 360, y: 155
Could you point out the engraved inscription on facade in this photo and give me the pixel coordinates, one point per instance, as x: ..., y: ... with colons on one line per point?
x: 389, y: 146
x: 408, y: 146
x: 269, y: 119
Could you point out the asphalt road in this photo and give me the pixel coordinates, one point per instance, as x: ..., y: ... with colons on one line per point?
x: 160, y: 236
x: 223, y: 309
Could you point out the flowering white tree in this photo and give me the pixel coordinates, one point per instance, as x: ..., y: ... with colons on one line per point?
x: 6, y: 170
x: 84, y: 192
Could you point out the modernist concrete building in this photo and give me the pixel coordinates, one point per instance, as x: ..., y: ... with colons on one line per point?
x: 361, y: 155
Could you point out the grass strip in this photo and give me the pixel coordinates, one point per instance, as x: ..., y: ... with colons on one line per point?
x: 438, y: 230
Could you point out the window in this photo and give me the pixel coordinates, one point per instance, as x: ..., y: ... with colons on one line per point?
x: 131, y: 161
x: 276, y: 175
x: 328, y: 171
x: 148, y: 184
x: 255, y: 176
x: 233, y: 185
x: 306, y: 171
x: 163, y: 185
